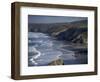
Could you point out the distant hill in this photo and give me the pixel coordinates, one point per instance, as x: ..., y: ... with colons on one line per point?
x: 52, y: 27
x: 43, y: 27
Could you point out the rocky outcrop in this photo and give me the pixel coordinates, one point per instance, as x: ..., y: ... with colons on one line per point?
x: 57, y: 62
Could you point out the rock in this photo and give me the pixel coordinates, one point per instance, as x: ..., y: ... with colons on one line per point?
x: 57, y: 62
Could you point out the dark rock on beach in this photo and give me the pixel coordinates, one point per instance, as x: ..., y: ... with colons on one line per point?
x: 57, y: 62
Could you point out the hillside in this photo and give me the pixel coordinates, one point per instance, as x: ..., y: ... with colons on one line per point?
x: 73, y: 31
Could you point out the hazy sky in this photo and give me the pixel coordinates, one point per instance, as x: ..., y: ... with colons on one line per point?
x: 52, y: 19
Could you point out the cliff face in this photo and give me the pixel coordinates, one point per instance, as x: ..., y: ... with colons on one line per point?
x: 75, y: 35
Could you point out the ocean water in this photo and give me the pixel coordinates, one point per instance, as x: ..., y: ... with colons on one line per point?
x: 43, y: 49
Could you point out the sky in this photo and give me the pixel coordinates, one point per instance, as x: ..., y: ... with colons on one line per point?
x: 53, y: 19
